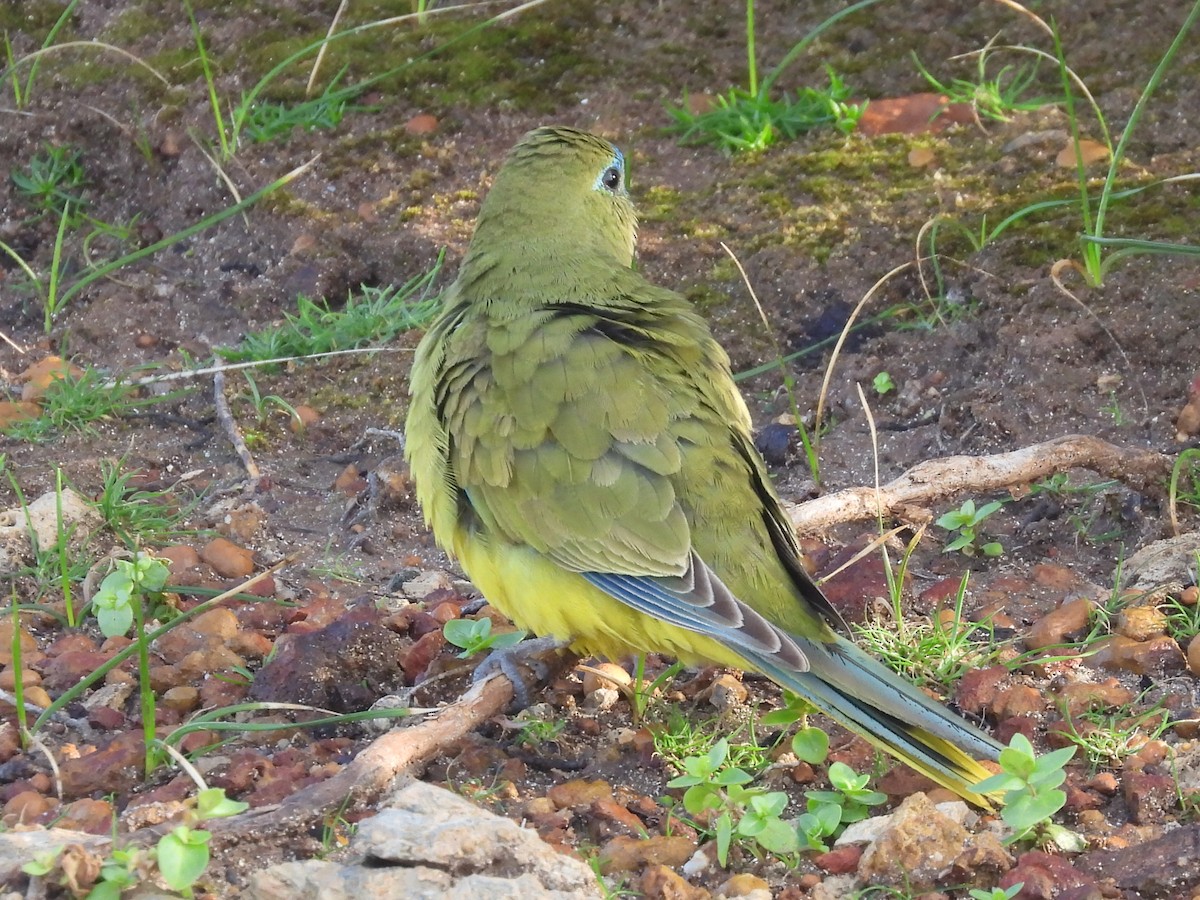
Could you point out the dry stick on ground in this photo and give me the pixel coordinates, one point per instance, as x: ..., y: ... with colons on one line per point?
x: 229, y: 426
x: 376, y: 769
x: 908, y: 496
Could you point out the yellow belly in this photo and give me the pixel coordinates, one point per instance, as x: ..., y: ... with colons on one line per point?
x: 549, y: 601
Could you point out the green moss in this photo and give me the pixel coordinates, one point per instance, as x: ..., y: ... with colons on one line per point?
x: 659, y: 203
x: 34, y: 19
x: 705, y: 298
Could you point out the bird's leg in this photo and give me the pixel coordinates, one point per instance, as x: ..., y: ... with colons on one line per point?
x: 509, y: 662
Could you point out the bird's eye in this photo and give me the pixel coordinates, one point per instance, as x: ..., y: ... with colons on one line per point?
x: 611, y: 178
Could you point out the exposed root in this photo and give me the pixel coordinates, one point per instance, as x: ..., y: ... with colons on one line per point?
x: 909, y: 496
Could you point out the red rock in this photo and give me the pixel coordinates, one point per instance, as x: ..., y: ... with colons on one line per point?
x: 25, y: 807
x: 28, y: 643
x: 227, y: 559
x: 913, y: 114
x: 1045, y: 876
x: 901, y: 781
x: 251, y: 644
x: 625, y: 854
x: 184, y: 698
x: 612, y: 819
x: 1148, y: 796
x: 1080, y: 799
x: 1157, y: 656
x: 90, y: 816
x: 14, y: 411
x: 67, y: 643
x: 105, y: 718
x: 662, y: 883
x: 38, y: 377
x: 10, y: 744
x: 419, y: 656
x: 579, y: 793
x: 1193, y: 656
x: 1054, y: 577
x: 262, y: 586
x: 183, y: 562
x: 840, y: 860
x: 10, y: 676
x: 937, y: 594
x: 68, y: 669
x: 220, y: 623
x: 114, y: 768
x: 978, y: 688
x: 1083, y: 696
x: 421, y: 124
x: 1026, y: 725
x: 350, y: 482
x: 197, y: 740
x: 217, y: 692
x: 1065, y: 623
x: 1020, y: 700
x: 1141, y: 622
x: 743, y: 885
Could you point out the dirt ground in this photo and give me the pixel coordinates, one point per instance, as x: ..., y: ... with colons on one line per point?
x: 1002, y: 360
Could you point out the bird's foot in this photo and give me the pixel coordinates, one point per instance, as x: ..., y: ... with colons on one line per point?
x: 511, y: 661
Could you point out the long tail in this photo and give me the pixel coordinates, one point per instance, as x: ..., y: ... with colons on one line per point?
x: 898, y: 718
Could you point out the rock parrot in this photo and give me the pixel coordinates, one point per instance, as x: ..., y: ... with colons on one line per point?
x: 579, y: 444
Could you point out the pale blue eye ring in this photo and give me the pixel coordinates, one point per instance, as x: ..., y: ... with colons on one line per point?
x: 612, y: 179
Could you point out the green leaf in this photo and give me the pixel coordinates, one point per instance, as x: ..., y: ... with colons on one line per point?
x: 212, y: 803
x: 114, y: 621
x: 183, y: 857
x: 105, y: 890
x: 811, y: 745
x: 778, y: 837
x: 724, y: 830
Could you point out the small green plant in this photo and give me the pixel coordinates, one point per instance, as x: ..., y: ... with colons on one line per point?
x: 1100, y: 251
x: 138, y: 517
x: 52, y: 182
x: 750, y: 119
x: 1108, y: 738
x: 1184, y: 486
x: 1031, y: 794
x: 268, y: 121
x: 930, y: 652
x: 261, y: 403
x: 1103, y: 614
x: 475, y: 636
x: 996, y: 97
x: 681, y: 738
x: 374, y: 316
x: 535, y: 730
x: 720, y: 793
x: 1113, y: 408
x: 850, y: 800
x: 121, y: 603
x: 75, y: 402
x: 1183, y: 620
x: 23, y: 92
x: 181, y: 856
x: 996, y: 893
x: 643, y: 692
x: 965, y: 521
x: 883, y: 383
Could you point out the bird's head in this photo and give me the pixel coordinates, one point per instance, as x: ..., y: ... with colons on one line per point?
x: 561, y: 193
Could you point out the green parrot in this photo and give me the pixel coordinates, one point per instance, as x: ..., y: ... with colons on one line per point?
x: 578, y: 443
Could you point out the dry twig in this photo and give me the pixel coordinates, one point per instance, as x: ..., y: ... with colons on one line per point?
x: 908, y: 496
